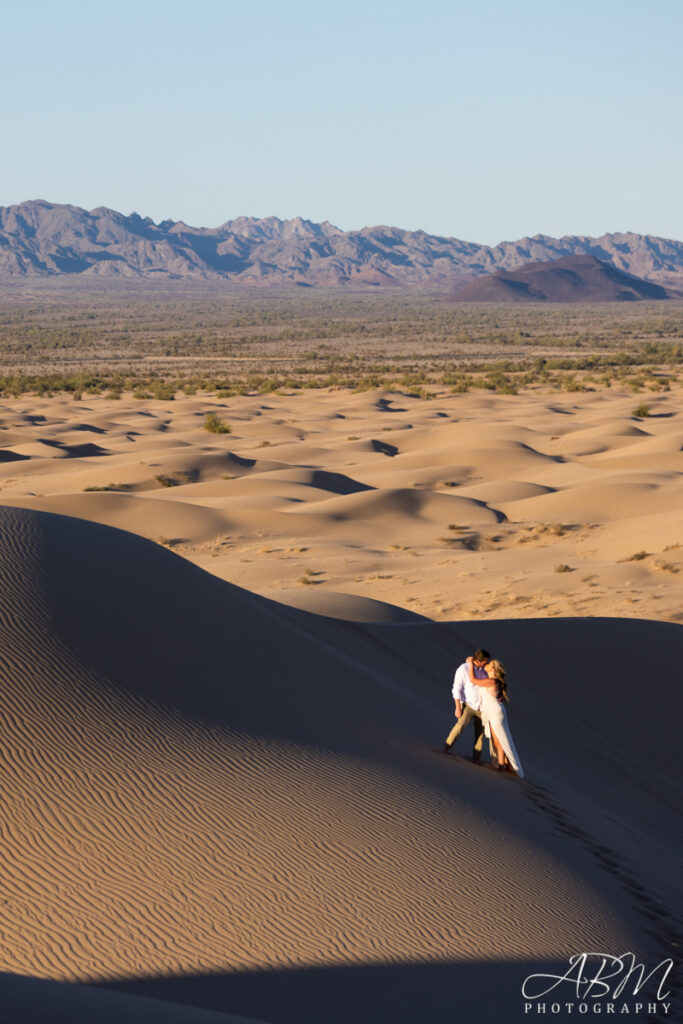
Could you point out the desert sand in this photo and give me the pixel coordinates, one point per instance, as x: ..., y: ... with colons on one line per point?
x: 465, y: 506
x: 217, y: 805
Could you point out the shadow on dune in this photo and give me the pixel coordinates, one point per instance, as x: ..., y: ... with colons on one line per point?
x: 163, y: 628
x: 89, y: 427
x: 387, y: 405
x: 383, y: 448
x: 76, y: 451
x: 435, y: 993
x: 9, y: 456
x: 368, y: 994
x: 26, y: 1000
x: 338, y: 483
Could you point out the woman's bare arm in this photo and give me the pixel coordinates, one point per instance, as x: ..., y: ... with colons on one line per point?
x: 487, y: 682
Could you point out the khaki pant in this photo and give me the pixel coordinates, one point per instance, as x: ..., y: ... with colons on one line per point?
x: 470, y: 715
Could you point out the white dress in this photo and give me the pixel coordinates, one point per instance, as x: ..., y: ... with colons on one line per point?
x: 494, y: 716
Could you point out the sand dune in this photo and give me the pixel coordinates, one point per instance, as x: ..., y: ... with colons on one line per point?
x: 602, y: 501
x: 502, y: 457
x: 215, y: 799
x: 407, y: 472
x: 296, y: 483
x: 143, y: 516
x: 497, y: 491
x: 392, y: 502
x: 343, y: 606
x: 464, y: 506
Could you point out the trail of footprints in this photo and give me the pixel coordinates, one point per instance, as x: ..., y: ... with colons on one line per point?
x: 666, y: 935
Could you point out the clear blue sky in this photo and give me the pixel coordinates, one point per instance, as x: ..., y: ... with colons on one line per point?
x: 483, y: 120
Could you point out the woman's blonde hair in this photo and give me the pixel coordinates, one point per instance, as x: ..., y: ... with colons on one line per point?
x: 498, y: 669
x: 499, y: 674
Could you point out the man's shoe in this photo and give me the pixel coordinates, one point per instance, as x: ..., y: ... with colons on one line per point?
x: 447, y: 748
x: 475, y: 759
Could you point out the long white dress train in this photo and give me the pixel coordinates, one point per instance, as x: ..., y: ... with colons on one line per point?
x: 494, y: 716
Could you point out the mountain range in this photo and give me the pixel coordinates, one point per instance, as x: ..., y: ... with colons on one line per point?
x: 42, y: 239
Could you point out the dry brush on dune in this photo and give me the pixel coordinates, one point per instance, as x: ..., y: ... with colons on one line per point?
x: 57, y: 337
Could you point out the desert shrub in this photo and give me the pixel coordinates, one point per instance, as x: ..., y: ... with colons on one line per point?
x: 215, y: 425
x: 109, y: 487
x: 176, y: 479
x: 164, y: 391
x: 642, y: 410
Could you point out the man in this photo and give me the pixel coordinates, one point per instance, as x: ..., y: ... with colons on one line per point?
x: 468, y: 707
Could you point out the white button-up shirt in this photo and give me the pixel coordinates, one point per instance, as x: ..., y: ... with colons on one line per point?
x: 464, y: 689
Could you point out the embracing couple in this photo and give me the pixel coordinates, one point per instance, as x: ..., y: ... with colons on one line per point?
x: 480, y: 696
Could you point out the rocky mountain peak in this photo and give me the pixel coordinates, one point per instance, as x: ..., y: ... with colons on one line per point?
x: 39, y: 238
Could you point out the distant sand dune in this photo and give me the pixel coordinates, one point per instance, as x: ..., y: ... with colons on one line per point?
x: 144, y: 516
x: 602, y: 502
x: 393, y: 502
x: 464, y: 506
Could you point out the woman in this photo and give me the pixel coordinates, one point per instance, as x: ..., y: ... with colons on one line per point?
x: 494, y: 715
